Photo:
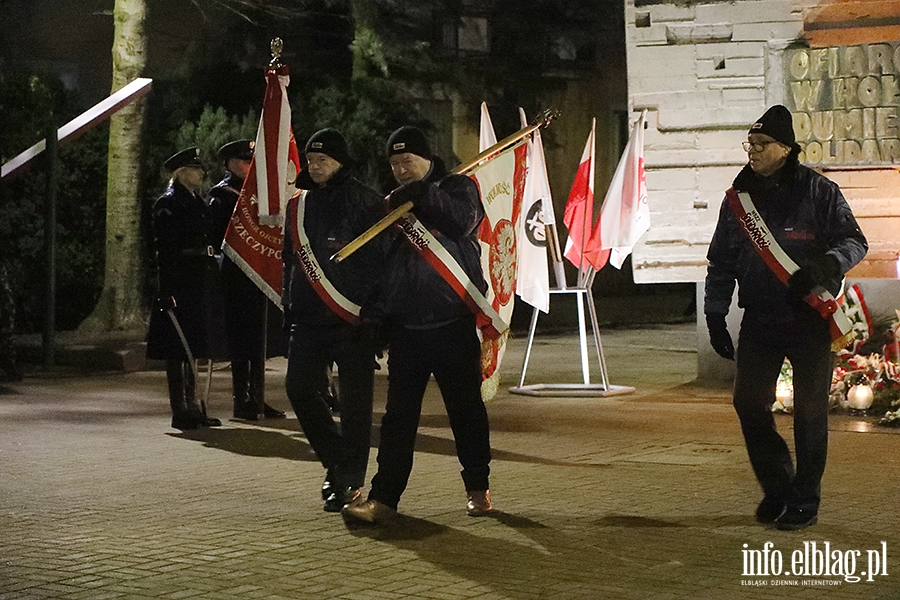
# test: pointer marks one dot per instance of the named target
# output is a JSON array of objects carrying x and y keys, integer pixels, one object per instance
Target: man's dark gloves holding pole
[
  {"x": 819, "y": 271},
  {"x": 719, "y": 338},
  {"x": 413, "y": 191}
]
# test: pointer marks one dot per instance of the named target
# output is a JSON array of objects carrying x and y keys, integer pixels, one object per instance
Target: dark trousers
[
  {"x": 453, "y": 354},
  {"x": 762, "y": 349},
  {"x": 343, "y": 451}
]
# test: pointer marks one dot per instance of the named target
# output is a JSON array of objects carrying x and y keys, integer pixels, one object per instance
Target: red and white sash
[
  {"x": 489, "y": 322},
  {"x": 337, "y": 302},
  {"x": 783, "y": 267}
]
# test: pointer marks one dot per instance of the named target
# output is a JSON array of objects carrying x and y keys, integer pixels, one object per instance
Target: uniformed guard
[
  {"x": 246, "y": 308},
  {"x": 184, "y": 256}
]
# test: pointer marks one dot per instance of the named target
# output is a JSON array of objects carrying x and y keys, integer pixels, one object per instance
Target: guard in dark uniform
[
  {"x": 184, "y": 258},
  {"x": 246, "y": 308}
]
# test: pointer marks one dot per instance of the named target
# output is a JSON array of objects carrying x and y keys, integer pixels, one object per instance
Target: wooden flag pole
[{"x": 544, "y": 119}]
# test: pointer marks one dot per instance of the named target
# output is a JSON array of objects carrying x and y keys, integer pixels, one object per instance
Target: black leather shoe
[
  {"x": 327, "y": 485},
  {"x": 338, "y": 499},
  {"x": 272, "y": 413},
  {"x": 210, "y": 422},
  {"x": 246, "y": 412},
  {"x": 796, "y": 518},
  {"x": 769, "y": 509},
  {"x": 184, "y": 422}
]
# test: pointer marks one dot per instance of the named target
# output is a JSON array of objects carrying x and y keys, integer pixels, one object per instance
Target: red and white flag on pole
[
  {"x": 274, "y": 134},
  {"x": 580, "y": 250},
  {"x": 625, "y": 214},
  {"x": 533, "y": 282},
  {"x": 501, "y": 182},
  {"x": 255, "y": 235}
]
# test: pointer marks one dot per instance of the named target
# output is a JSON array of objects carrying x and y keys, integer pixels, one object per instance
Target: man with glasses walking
[{"x": 786, "y": 235}]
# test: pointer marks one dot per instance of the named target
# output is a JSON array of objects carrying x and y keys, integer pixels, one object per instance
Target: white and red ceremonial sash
[
  {"x": 783, "y": 266},
  {"x": 333, "y": 299},
  {"x": 488, "y": 321}
]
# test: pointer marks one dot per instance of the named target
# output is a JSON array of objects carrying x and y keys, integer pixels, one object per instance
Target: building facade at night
[{"x": 706, "y": 70}]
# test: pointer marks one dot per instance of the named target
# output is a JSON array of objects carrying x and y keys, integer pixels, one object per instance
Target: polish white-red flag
[
  {"x": 501, "y": 182},
  {"x": 625, "y": 214},
  {"x": 533, "y": 282},
  {"x": 255, "y": 234},
  {"x": 580, "y": 250}
]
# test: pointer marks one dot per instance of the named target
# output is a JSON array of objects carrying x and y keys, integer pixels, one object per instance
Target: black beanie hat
[
  {"x": 409, "y": 139},
  {"x": 777, "y": 124},
  {"x": 329, "y": 141}
]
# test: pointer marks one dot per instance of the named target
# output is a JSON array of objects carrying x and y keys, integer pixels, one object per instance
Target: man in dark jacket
[
  {"x": 246, "y": 307},
  {"x": 431, "y": 331},
  {"x": 810, "y": 220},
  {"x": 321, "y": 301},
  {"x": 184, "y": 257}
]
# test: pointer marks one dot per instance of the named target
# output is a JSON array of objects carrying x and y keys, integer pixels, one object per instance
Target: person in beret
[
  {"x": 321, "y": 310},
  {"x": 183, "y": 259},
  {"x": 247, "y": 310},
  {"x": 431, "y": 331},
  {"x": 811, "y": 221}
]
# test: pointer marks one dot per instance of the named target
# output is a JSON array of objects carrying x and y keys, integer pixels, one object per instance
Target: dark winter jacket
[
  {"x": 808, "y": 216},
  {"x": 238, "y": 306},
  {"x": 414, "y": 293},
  {"x": 334, "y": 214},
  {"x": 221, "y": 199},
  {"x": 180, "y": 233}
]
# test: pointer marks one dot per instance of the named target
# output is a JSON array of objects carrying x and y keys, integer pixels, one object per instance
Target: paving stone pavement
[{"x": 647, "y": 496}]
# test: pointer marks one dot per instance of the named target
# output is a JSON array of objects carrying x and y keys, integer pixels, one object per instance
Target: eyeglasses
[{"x": 757, "y": 146}]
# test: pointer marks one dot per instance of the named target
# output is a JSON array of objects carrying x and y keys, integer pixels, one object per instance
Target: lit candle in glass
[
  {"x": 784, "y": 394},
  {"x": 859, "y": 397}
]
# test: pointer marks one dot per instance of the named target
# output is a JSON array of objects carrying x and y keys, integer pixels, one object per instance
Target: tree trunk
[{"x": 120, "y": 304}]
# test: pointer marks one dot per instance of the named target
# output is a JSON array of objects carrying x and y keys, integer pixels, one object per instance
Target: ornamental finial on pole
[{"x": 276, "y": 46}]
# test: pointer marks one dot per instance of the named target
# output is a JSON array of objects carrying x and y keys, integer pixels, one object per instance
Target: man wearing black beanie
[
  {"x": 811, "y": 222},
  {"x": 321, "y": 300},
  {"x": 431, "y": 331}
]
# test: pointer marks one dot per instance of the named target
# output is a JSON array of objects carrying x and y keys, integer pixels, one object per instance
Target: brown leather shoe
[
  {"x": 479, "y": 503},
  {"x": 368, "y": 511}
]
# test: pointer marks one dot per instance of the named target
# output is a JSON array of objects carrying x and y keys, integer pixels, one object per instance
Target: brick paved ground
[{"x": 647, "y": 496}]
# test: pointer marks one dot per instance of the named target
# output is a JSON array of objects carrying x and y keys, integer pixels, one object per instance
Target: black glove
[
  {"x": 815, "y": 272},
  {"x": 164, "y": 303},
  {"x": 413, "y": 191},
  {"x": 719, "y": 338}
]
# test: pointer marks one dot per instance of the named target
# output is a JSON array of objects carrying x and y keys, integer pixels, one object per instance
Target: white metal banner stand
[
  {"x": 585, "y": 388},
  {"x": 582, "y": 294}
]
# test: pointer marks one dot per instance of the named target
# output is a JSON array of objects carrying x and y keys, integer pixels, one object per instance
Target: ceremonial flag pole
[
  {"x": 501, "y": 183},
  {"x": 254, "y": 237},
  {"x": 586, "y": 254},
  {"x": 544, "y": 119},
  {"x": 533, "y": 282},
  {"x": 579, "y": 213},
  {"x": 625, "y": 213}
]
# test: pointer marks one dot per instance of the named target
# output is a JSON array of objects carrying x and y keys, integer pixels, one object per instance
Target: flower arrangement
[{"x": 864, "y": 380}]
